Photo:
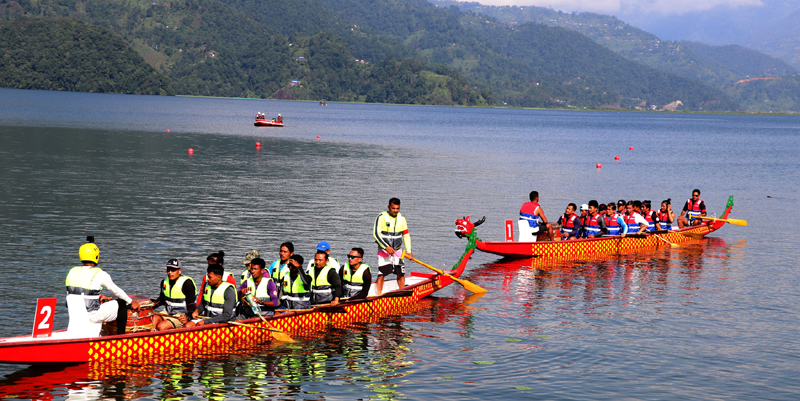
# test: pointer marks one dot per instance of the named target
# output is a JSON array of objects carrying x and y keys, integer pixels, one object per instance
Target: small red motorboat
[{"x": 268, "y": 123}]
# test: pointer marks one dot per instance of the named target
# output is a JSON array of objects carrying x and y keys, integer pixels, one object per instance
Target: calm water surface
[{"x": 715, "y": 319}]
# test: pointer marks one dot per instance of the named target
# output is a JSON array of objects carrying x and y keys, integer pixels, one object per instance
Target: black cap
[{"x": 173, "y": 264}]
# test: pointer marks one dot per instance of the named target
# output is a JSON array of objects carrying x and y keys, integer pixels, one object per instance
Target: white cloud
[{"x": 657, "y": 7}]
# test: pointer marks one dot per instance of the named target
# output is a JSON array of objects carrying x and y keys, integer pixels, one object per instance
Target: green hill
[{"x": 65, "y": 54}]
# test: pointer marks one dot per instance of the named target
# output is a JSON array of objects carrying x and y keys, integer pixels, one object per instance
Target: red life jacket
[
  {"x": 568, "y": 224},
  {"x": 612, "y": 224},
  {"x": 651, "y": 224},
  {"x": 592, "y": 227},
  {"x": 528, "y": 212},
  {"x": 666, "y": 224},
  {"x": 631, "y": 222},
  {"x": 694, "y": 209}
]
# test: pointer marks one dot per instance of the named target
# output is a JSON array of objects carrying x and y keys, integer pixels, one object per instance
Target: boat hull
[{"x": 267, "y": 123}]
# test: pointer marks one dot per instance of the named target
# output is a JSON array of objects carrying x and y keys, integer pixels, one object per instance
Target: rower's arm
[
  {"x": 106, "y": 281},
  {"x": 623, "y": 226},
  {"x": 336, "y": 283}
]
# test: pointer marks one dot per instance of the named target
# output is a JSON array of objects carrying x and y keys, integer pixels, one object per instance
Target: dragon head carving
[{"x": 464, "y": 227}]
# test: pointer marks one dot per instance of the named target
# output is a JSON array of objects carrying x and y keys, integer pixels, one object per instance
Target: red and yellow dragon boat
[
  {"x": 604, "y": 245},
  {"x": 59, "y": 350}
]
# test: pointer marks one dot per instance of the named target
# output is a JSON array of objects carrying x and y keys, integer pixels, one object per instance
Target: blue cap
[{"x": 323, "y": 246}]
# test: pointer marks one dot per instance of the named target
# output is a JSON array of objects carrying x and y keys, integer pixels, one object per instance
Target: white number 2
[{"x": 47, "y": 311}]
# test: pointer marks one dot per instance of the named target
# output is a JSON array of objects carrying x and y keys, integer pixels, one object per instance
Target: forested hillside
[
  {"x": 65, "y": 54},
  {"x": 399, "y": 51}
]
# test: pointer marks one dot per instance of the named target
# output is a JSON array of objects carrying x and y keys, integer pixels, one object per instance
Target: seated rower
[
  {"x": 665, "y": 215},
  {"x": 570, "y": 223},
  {"x": 246, "y": 262},
  {"x": 84, "y": 284},
  {"x": 584, "y": 211},
  {"x": 295, "y": 285},
  {"x": 532, "y": 222},
  {"x": 326, "y": 247},
  {"x": 261, "y": 289},
  {"x": 280, "y": 118},
  {"x": 356, "y": 276},
  {"x": 650, "y": 216},
  {"x": 693, "y": 208},
  {"x": 219, "y": 299},
  {"x": 595, "y": 222},
  {"x": 275, "y": 269},
  {"x": 178, "y": 296},
  {"x": 615, "y": 223},
  {"x": 219, "y": 259},
  {"x": 633, "y": 219},
  {"x": 326, "y": 287}
]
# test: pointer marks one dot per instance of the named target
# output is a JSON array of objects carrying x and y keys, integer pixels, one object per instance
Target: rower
[
  {"x": 326, "y": 287},
  {"x": 665, "y": 215},
  {"x": 246, "y": 262},
  {"x": 178, "y": 295},
  {"x": 356, "y": 276},
  {"x": 650, "y": 216},
  {"x": 84, "y": 284},
  {"x": 633, "y": 218},
  {"x": 219, "y": 298},
  {"x": 276, "y": 268},
  {"x": 614, "y": 221},
  {"x": 692, "y": 209},
  {"x": 263, "y": 290},
  {"x": 532, "y": 219},
  {"x": 280, "y": 118},
  {"x": 219, "y": 259},
  {"x": 584, "y": 220},
  {"x": 570, "y": 223},
  {"x": 325, "y": 247},
  {"x": 296, "y": 285},
  {"x": 595, "y": 222}
]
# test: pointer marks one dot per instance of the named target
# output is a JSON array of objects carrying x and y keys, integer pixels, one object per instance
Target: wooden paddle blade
[
  {"x": 277, "y": 334},
  {"x": 736, "y": 222},
  {"x": 474, "y": 288}
]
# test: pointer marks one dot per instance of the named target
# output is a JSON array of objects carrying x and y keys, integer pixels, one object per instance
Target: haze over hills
[
  {"x": 729, "y": 67},
  {"x": 235, "y": 48}
]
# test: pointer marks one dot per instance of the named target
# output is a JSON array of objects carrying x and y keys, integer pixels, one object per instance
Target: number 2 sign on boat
[{"x": 43, "y": 321}]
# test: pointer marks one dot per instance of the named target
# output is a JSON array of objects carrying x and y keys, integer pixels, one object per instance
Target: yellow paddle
[
  {"x": 737, "y": 222},
  {"x": 279, "y": 334},
  {"x": 469, "y": 286},
  {"x": 672, "y": 245}
]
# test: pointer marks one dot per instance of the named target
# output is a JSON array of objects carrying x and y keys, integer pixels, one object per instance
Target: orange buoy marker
[
  {"x": 616, "y": 157},
  {"x": 598, "y": 165},
  {"x": 191, "y": 151},
  {"x": 631, "y": 148},
  {"x": 168, "y": 131},
  {"x": 317, "y": 136},
  {"x": 258, "y": 144}
]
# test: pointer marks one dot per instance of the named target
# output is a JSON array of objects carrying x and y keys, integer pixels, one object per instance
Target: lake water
[{"x": 715, "y": 319}]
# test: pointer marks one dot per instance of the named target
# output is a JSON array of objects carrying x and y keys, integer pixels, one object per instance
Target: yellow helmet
[{"x": 89, "y": 252}]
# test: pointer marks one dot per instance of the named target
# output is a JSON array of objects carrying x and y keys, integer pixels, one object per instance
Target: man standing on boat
[
  {"x": 178, "y": 294},
  {"x": 326, "y": 287},
  {"x": 356, "y": 276},
  {"x": 84, "y": 284},
  {"x": 219, "y": 298},
  {"x": 295, "y": 285},
  {"x": 391, "y": 232},
  {"x": 532, "y": 220},
  {"x": 693, "y": 208}
]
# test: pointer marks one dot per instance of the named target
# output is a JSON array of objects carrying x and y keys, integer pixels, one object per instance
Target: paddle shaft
[
  {"x": 469, "y": 286},
  {"x": 737, "y": 222}
]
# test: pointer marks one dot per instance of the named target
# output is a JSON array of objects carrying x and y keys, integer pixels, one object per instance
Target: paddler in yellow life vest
[
  {"x": 219, "y": 298},
  {"x": 296, "y": 285},
  {"x": 84, "y": 284},
  {"x": 356, "y": 276},
  {"x": 259, "y": 288},
  {"x": 246, "y": 262},
  {"x": 326, "y": 287},
  {"x": 391, "y": 232},
  {"x": 178, "y": 293},
  {"x": 326, "y": 247},
  {"x": 219, "y": 259}
]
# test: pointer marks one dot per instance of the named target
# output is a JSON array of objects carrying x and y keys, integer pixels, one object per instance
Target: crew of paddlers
[
  {"x": 260, "y": 117},
  {"x": 595, "y": 220},
  {"x": 283, "y": 285}
]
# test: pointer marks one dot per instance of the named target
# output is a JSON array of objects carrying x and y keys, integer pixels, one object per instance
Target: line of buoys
[{"x": 191, "y": 151}]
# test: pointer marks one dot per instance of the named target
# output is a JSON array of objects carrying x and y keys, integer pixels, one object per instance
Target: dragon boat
[
  {"x": 267, "y": 123},
  {"x": 612, "y": 245},
  {"x": 60, "y": 349}
]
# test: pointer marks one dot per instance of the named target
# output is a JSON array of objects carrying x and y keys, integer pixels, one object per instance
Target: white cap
[{"x": 584, "y": 207}]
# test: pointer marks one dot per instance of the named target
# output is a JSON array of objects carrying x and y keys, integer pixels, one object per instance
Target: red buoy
[
  {"x": 631, "y": 148},
  {"x": 191, "y": 151},
  {"x": 616, "y": 157},
  {"x": 598, "y": 165},
  {"x": 258, "y": 144},
  {"x": 168, "y": 130},
  {"x": 317, "y": 136}
]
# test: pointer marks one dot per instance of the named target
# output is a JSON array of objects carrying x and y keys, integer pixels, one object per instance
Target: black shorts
[{"x": 386, "y": 270}]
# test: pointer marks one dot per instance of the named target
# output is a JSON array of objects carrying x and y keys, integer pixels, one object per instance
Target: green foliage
[
  {"x": 66, "y": 54},
  {"x": 769, "y": 95}
]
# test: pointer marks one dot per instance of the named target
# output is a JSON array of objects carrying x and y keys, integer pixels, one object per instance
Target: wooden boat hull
[
  {"x": 25, "y": 350},
  {"x": 600, "y": 246},
  {"x": 267, "y": 123}
]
